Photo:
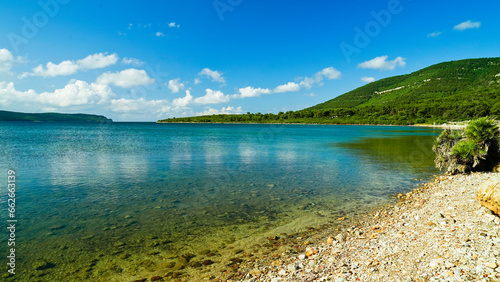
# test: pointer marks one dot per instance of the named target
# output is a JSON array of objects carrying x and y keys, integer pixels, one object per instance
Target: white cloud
[
  {"x": 141, "y": 106},
  {"x": 160, "y": 34},
  {"x": 7, "y": 60},
  {"x": 434, "y": 34},
  {"x": 310, "y": 95},
  {"x": 173, "y": 24},
  {"x": 212, "y": 97},
  {"x": 329, "y": 73},
  {"x": 381, "y": 63},
  {"x": 197, "y": 81},
  {"x": 175, "y": 85},
  {"x": 214, "y": 75},
  {"x": 225, "y": 111},
  {"x": 126, "y": 78},
  {"x": 80, "y": 96},
  {"x": 184, "y": 101},
  {"x": 368, "y": 79},
  {"x": 96, "y": 61},
  {"x": 132, "y": 61},
  {"x": 52, "y": 70},
  {"x": 467, "y": 25},
  {"x": 289, "y": 87},
  {"x": 76, "y": 93},
  {"x": 249, "y": 91}
]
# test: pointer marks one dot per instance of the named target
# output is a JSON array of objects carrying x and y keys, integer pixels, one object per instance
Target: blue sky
[{"x": 142, "y": 61}]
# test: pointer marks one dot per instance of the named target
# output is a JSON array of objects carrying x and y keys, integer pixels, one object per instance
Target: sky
[{"x": 149, "y": 60}]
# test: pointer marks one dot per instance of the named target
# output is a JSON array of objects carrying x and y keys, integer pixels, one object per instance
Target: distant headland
[{"x": 51, "y": 117}]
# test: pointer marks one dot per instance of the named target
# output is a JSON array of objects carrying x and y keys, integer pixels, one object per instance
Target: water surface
[{"x": 103, "y": 201}]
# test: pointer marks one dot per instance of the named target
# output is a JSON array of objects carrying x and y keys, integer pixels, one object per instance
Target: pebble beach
[{"x": 437, "y": 232}]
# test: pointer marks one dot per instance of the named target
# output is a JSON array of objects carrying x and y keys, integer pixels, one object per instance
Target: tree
[{"x": 475, "y": 149}]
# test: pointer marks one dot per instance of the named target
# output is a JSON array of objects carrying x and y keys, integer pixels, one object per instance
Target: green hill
[
  {"x": 450, "y": 91},
  {"x": 15, "y": 116},
  {"x": 473, "y": 79}
]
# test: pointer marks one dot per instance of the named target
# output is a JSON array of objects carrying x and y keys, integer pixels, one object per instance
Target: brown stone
[
  {"x": 236, "y": 260},
  {"x": 156, "y": 278},
  {"x": 207, "y": 262},
  {"x": 489, "y": 196},
  {"x": 329, "y": 241},
  {"x": 311, "y": 252}
]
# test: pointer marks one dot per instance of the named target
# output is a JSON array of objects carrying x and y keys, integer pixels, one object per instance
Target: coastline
[
  {"x": 437, "y": 232},
  {"x": 442, "y": 126}
]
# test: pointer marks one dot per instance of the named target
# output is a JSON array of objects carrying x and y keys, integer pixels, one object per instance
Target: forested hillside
[{"x": 450, "y": 91}]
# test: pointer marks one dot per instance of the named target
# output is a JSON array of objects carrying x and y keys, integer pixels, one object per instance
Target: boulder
[{"x": 489, "y": 196}]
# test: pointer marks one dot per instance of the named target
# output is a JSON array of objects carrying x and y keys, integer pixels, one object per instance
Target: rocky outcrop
[{"x": 489, "y": 195}]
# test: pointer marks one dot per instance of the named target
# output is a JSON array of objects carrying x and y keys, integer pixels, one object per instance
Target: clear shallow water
[{"x": 107, "y": 200}]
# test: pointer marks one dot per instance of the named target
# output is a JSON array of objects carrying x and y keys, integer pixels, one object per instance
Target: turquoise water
[{"x": 101, "y": 201}]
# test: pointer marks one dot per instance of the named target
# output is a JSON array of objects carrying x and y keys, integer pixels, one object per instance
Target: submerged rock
[
  {"x": 207, "y": 262},
  {"x": 42, "y": 265},
  {"x": 489, "y": 196}
]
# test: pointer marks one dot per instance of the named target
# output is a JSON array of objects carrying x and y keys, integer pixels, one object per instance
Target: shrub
[{"x": 474, "y": 149}]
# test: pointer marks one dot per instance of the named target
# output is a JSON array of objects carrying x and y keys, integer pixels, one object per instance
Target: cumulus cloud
[
  {"x": 160, "y": 34},
  {"x": 249, "y": 91},
  {"x": 214, "y": 75},
  {"x": 224, "y": 110},
  {"x": 132, "y": 61},
  {"x": 7, "y": 60},
  {"x": 289, "y": 87},
  {"x": 96, "y": 61},
  {"x": 76, "y": 93},
  {"x": 184, "y": 101},
  {"x": 173, "y": 24},
  {"x": 367, "y": 79},
  {"x": 434, "y": 34},
  {"x": 212, "y": 97},
  {"x": 78, "y": 96},
  {"x": 467, "y": 25},
  {"x": 175, "y": 85},
  {"x": 197, "y": 81},
  {"x": 381, "y": 63},
  {"x": 52, "y": 70},
  {"x": 140, "y": 106},
  {"x": 328, "y": 73},
  {"x": 126, "y": 78}
]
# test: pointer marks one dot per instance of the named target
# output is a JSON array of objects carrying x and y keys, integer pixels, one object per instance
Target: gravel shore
[{"x": 437, "y": 232}]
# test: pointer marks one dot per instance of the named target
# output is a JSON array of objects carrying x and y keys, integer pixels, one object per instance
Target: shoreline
[
  {"x": 442, "y": 126},
  {"x": 436, "y": 232}
]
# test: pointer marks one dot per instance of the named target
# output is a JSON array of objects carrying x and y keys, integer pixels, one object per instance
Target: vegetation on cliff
[{"x": 475, "y": 149}]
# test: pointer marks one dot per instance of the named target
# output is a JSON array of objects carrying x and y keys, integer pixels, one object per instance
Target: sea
[{"x": 114, "y": 201}]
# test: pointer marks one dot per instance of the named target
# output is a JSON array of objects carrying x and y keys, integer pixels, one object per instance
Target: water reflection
[{"x": 127, "y": 183}]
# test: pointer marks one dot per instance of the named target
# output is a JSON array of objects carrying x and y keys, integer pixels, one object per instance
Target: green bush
[{"x": 474, "y": 149}]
